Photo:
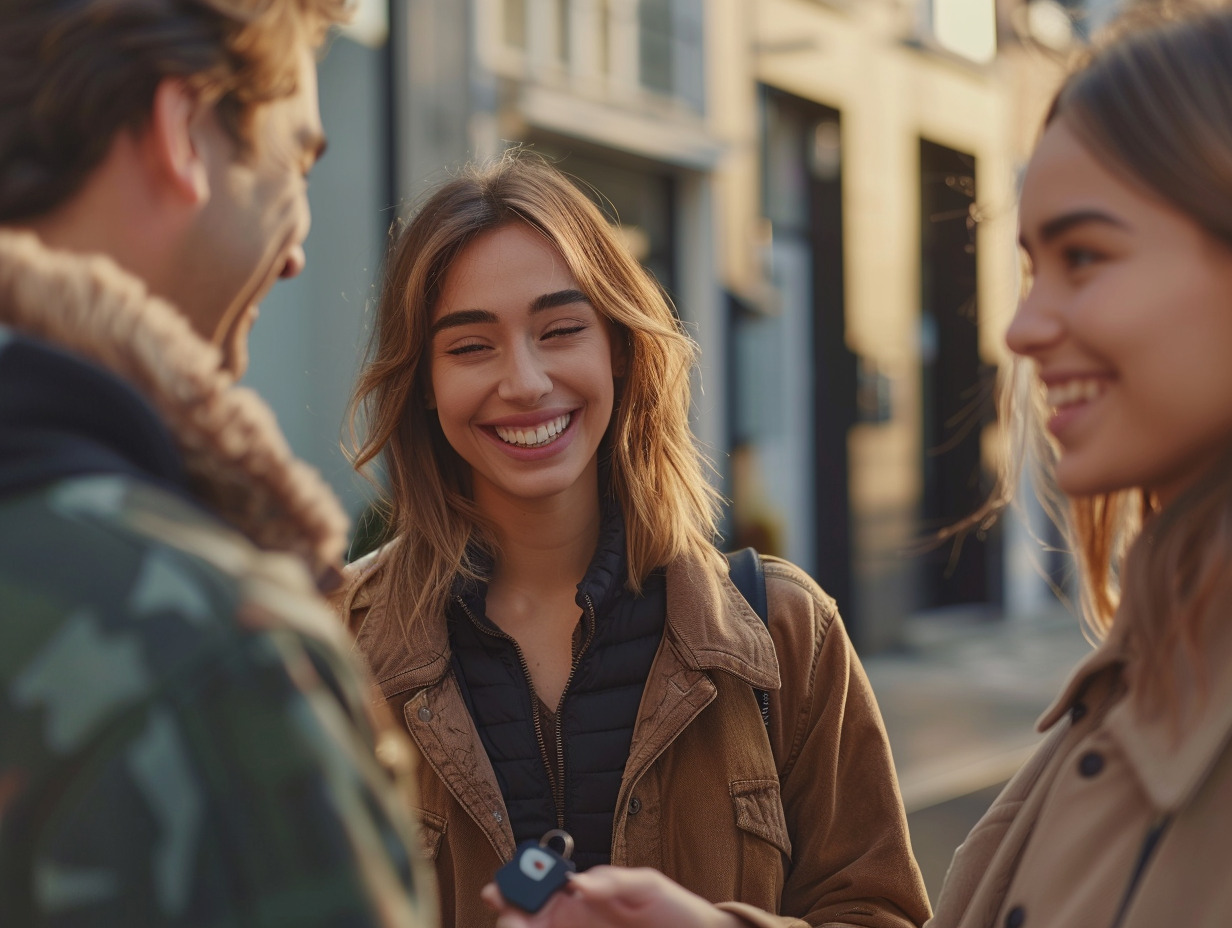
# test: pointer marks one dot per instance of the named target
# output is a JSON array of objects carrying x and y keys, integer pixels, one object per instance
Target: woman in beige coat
[{"x": 1124, "y": 817}]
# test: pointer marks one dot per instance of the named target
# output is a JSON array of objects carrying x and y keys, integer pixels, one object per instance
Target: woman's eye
[
  {"x": 564, "y": 330},
  {"x": 472, "y": 348},
  {"x": 1076, "y": 258}
]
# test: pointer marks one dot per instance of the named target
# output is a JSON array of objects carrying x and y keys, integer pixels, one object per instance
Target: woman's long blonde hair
[
  {"x": 1155, "y": 105},
  {"x": 656, "y": 470}
]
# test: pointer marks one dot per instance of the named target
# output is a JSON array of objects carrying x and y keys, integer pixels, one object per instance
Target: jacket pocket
[
  {"x": 431, "y": 831},
  {"x": 759, "y": 811},
  {"x": 764, "y": 854}
]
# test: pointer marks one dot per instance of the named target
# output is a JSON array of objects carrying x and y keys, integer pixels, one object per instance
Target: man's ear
[{"x": 173, "y": 142}]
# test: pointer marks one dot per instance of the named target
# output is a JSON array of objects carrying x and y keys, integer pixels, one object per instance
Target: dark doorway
[
  {"x": 803, "y": 195},
  {"x": 957, "y": 389}
]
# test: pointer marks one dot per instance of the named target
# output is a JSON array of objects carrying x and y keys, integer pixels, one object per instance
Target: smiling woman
[
  {"x": 1128, "y": 322},
  {"x": 552, "y": 620},
  {"x": 522, "y": 388},
  {"x": 1125, "y": 336}
]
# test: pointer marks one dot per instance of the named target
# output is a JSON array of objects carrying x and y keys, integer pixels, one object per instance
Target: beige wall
[{"x": 891, "y": 93}]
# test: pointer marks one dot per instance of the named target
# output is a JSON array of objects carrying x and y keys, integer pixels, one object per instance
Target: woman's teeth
[
  {"x": 533, "y": 438},
  {"x": 1074, "y": 391}
]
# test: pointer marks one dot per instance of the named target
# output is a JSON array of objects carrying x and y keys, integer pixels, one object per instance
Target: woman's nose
[
  {"x": 1036, "y": 324},
  {"x": 526, "y": 379}
]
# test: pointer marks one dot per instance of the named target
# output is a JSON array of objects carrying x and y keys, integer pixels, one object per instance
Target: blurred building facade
[{"x": 826, "y": 189}]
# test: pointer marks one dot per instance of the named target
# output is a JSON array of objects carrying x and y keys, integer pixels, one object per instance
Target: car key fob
[{"x": 536, "y": 871}]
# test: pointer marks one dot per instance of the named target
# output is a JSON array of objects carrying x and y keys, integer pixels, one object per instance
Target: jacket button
[
  {"x": 635, "y": 806},
  {"x": 1091, "y": 764},
  {"x": 425, "y": 714},
  {"x": 1016, "y": 917}
]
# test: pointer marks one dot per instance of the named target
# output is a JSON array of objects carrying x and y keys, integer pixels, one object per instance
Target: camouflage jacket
[{"x": 183, "y": 739}]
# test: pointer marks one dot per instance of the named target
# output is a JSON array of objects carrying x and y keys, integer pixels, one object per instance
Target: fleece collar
[{"x": 236, "y": 462}]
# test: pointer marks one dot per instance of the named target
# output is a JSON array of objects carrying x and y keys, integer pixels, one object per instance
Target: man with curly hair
[{"x": 183, "y": 739}]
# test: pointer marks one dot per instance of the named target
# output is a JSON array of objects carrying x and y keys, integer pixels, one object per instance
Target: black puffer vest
[{"x": 618, "y": 640}]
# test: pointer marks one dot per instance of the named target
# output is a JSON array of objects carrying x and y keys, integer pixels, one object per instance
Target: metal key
[{"x": 536, "y": 871}]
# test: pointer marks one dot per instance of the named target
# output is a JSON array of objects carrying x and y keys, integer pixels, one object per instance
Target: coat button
[
  {"x": 635, "y": 806},
  {"x": 1091, "y": 764},
  {"x": 425, "y": 714},
  {"x": 1016, "y": 917}
]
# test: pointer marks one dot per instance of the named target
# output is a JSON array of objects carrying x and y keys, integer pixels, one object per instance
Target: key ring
[{"x": 565, "y": 838}]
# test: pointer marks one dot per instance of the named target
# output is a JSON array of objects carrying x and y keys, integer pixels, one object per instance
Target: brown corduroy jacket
[{"x": 811, "y": 834}]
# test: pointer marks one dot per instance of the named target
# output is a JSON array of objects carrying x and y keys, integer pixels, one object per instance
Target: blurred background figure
[{"x": 183, "y": 739}]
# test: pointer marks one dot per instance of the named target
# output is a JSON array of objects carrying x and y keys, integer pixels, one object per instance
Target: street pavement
[{"x": 960, "y": 700}]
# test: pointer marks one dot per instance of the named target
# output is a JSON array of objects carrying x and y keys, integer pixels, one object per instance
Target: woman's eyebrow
[
  {"x": 486, "y": 317},
  {"x": 558, "y": 298},
  {"x": 462, "y": 317},
  {"x": 1059, "y": 225}
]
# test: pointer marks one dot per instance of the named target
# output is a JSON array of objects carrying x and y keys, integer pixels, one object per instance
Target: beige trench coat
[{"x": 1118, "y": 821}]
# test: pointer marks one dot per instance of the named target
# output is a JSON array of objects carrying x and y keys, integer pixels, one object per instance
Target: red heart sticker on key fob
[{"x": 536, "y": 872}]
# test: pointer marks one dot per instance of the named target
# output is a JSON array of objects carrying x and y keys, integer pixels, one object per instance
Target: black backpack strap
[{"x": 744, "y": 567}]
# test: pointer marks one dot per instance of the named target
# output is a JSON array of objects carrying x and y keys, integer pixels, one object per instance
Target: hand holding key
[{"x": 614, "y": 897}]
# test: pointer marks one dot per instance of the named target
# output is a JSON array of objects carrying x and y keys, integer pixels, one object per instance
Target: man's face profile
[{"x": 251, "y": 230}]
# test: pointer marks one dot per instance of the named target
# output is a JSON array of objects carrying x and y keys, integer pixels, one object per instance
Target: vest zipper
[
  {"x": 1149, "y": 844},
  {"x": 560, "y": 741},
  {"x": 556, "y": 776},
  {"x": 534, "y": 700}
]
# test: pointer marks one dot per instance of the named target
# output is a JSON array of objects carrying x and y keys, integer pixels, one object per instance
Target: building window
[
  {"x": 655, "y": 44},
  {"x": 604, "y": 63},
  {"x": 514, "y": 15},
  {"x": 561, "y": 13},
  {"x": 670, "y": 45},
  {"x": 966, "y": 27}
]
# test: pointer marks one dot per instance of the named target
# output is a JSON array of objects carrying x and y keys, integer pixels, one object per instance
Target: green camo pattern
[{"x": 182, "y": 740}]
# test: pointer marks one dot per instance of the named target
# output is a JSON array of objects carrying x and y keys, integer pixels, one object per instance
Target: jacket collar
[
  {"x": 709, "y": 623},
  {"x": 236, "y": 461},
  {"x": 402, "y": 656},
  {"x": 714, "y": 627},
  {"x": 1171, "y": 757}
]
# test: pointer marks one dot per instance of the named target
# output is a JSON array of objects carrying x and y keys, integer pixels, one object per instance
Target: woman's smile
[
  {"x": 534, "y": 436},
  {"x": 1070, "y": 399},
  {"x": 536, "y": 441}
]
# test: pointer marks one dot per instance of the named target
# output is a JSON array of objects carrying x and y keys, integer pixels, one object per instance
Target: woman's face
[
  {"x": 522, "y": 370},
  {"x": 1129, "y": 323}
]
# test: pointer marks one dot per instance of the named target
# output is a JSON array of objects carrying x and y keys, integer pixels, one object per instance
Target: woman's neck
[{"x": 545, "y": 545}]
